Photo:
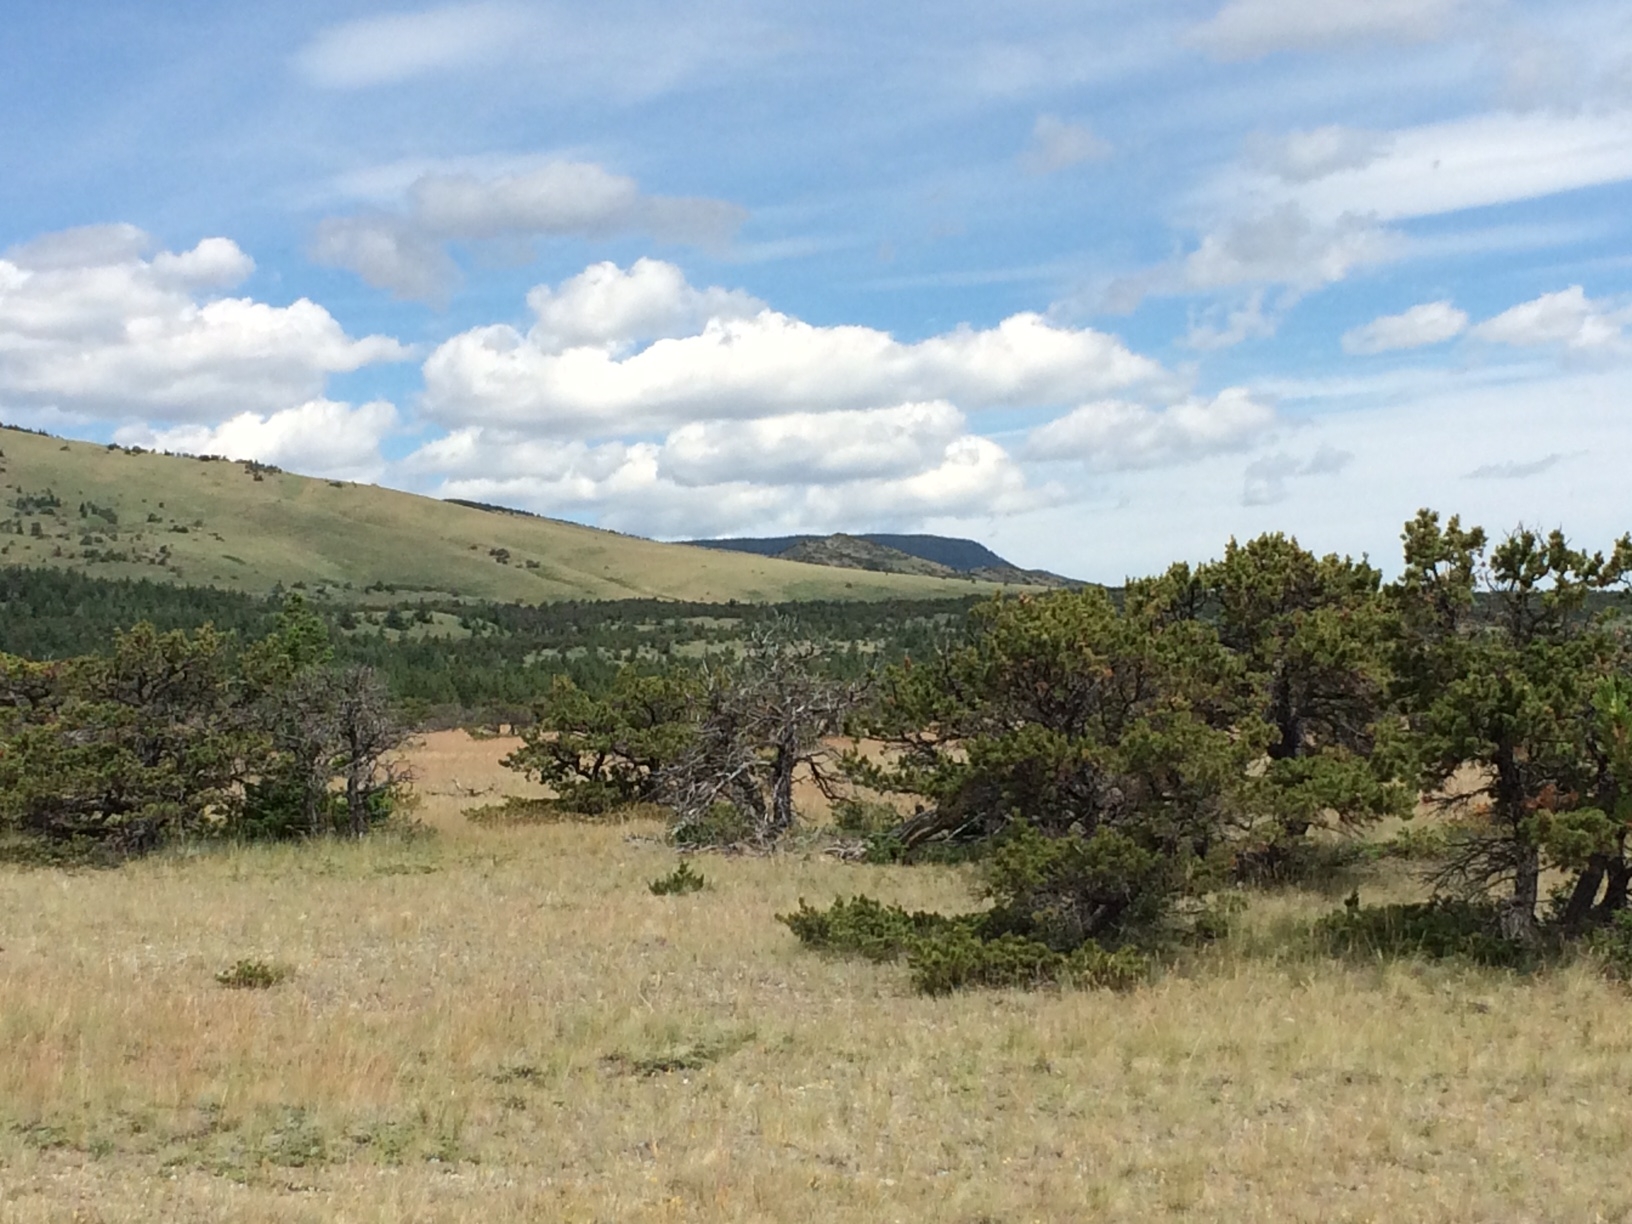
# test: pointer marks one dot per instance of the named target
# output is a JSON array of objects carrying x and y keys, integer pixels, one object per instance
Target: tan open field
[{"x": 478, "y": 1024}]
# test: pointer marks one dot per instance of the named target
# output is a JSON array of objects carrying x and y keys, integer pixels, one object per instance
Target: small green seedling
[{"x": 681, "y": 880}]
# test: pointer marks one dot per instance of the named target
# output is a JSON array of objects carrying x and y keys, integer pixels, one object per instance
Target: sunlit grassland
[
  {"x": 503, "y": 1023},
  {"x": 218, "y": 525}
]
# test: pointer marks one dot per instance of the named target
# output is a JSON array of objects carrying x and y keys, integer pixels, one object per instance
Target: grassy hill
[
  {"x": 931, "y": 555},
  {"x": 852, "y": 552},
  {"x": 114, "y": 513}
]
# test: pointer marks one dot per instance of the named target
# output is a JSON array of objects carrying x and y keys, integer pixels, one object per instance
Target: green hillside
[
  {"x": 931, "y": 555},
  {"x": 109, "y": 512},
  {"x": 852, "y": 552}
]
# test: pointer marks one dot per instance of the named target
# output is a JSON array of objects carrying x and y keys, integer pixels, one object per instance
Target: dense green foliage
[
  {"x": 450, "y": 661},
  {"x": 1312, "y": 635},
  {"x": 1129, "y": 757},
  {"x": 1439, "y": 929},
  {"x": 601, "y": 753},
  {"x": 1104, "y": 744},
  {"x": 1530, "y": 689},
  {"x": 126, "y": 747},
  {"x": 174, "y": 734}
]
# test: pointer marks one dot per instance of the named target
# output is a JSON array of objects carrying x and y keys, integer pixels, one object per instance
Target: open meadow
[{"x": 504, "y": 1024}]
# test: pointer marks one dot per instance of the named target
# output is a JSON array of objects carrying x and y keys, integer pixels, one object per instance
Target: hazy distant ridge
[
  {"x": 961, "y": 555},
  {"x": 891, "y": 553}
]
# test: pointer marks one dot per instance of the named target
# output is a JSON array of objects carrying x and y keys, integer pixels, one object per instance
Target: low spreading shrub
[
  {"x": 1611, "y": 946},
  {"x": 960, "y": 958},
  {"x": 514, "y": 810},
  {"x": 864, "y": 817},
  {"x": 946, "y": 953},
  {"x": 253, "y": 975},
  {"x": 867, "y": 928},
  {"x": 1440, "y": 929},
  {"x": 680, "y": 1053},
  {"x": 723, "y": 824}
]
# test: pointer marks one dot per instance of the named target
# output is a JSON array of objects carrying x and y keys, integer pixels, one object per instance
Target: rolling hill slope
[
  {"x": 114, "y": 513},
  {"x": 939, "y": 556}
]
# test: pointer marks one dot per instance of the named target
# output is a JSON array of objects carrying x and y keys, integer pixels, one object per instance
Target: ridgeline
[{"x": 115, "y": 512}]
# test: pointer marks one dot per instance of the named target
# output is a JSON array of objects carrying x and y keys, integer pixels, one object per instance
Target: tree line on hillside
[
  {"x": 1118, "y": 761},
  {"x": 451, "y": 662}
]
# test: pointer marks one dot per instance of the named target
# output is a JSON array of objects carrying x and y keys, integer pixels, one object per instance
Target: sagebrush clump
[{"x": 252, "y": 974}]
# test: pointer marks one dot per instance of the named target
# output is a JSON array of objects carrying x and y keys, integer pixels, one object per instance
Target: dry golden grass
[
  {"x": 221, "y": 527},
  {"x": 477, "y": 1020}
]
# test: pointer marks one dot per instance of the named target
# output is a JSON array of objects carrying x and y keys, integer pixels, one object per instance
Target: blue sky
[{"x": 1100, "y": 285}]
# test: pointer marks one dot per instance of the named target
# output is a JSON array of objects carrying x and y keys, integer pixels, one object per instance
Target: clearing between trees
[{"x": 504, "y": 1022}]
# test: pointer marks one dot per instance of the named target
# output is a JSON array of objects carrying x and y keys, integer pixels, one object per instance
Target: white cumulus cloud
[
  {"x": 705, "y": 480},
  {"x": 1119, "y": 435},
  {"x": 319, "y": 438},
  {"x": 650, "y": 404},
  {"x": 89, "y": 324},
  {"x": 736, "y": 366},
  {"x": 818, "y": 448},
  {"x": 1429, "y": 323},
  {"x": 1568, "y": 318},
  {"x": 608, "y": 305}
]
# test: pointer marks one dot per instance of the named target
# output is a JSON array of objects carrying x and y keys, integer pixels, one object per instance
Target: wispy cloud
[
  {"x": 1429, "y": 323},
  {"x": 1515, "y": 469},
  {"x": 407, "y": 254},
  {"x": 1267, "y": 478},
  {"x": 1249, "y": 29},
  {"x": 1058, "y": 144},
  {"x": 396, "y": 47}
]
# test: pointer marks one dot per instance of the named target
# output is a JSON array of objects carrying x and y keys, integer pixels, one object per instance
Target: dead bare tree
[
  {"x": 762, "y": 717},
  {"x": 327, "y": 725},
  {"x": 366, "y": 735}
]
